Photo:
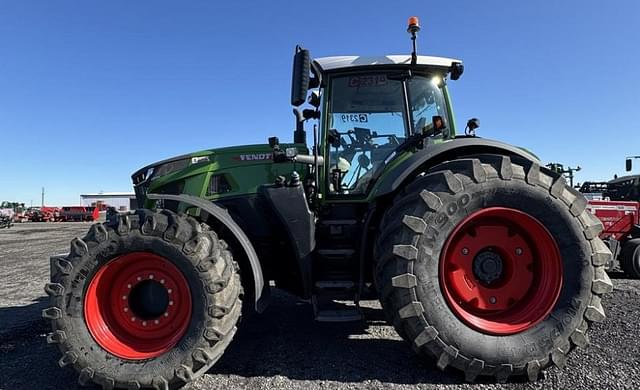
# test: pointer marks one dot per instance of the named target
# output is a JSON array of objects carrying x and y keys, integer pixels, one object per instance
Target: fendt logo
[{"x": 253, "y": 157}]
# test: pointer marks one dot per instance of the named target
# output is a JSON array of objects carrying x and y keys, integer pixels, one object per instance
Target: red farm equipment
[
  {"x": 79, "y": 213},
  {"x": 617, "y": 204},
  {"x": 621, "y": 220},
  {"x": 43, "y": 214}
]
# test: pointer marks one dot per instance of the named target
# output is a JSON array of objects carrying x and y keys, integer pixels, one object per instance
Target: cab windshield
[{"x": 368, "y": 120}]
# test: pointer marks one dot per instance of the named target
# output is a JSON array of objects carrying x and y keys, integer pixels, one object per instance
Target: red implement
[{"x": 618, "y": 217}]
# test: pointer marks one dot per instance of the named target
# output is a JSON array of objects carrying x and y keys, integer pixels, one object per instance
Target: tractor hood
[
  {"x": 235, "y": 155},
  {"x": 214, "y": 173}
]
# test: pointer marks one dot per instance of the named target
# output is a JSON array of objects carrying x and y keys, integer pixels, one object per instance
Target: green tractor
[{"x": 482, "y": 258}]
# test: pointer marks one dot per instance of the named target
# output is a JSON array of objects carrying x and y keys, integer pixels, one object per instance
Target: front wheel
[
  {"x": 145, "y": 300},
  {"x": 492, "y": 265}
]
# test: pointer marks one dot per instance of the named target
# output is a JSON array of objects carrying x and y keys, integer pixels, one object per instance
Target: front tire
[
  {"x": 145, "y": 300},
  {"x": 492, "y": 265}
]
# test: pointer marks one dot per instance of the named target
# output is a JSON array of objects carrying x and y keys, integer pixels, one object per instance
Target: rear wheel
[
  {"x": 492, "y": 265},
  {"x": 630, "y": 258},
  {"x": 148, "y": 299}
]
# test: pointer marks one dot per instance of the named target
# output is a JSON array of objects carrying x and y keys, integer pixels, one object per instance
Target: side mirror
[
  {"x": 628, "y": 165},
  {"x": 457, "y": 69},
  {"x": 300, "y": 76},
  {"x": 472, "y": 125}
]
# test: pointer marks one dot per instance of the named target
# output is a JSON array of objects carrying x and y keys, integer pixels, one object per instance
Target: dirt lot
[{"x": 284, "y": 348}]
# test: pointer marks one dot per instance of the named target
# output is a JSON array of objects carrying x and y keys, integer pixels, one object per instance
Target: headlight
[
  {"x": 291, "y": 152},
  {"x": 149, "y": 173}
]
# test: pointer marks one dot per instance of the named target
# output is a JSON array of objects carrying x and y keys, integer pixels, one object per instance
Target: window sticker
[
  {"x": 367, "y": 81},
  {"x": 354, "y": 118}
]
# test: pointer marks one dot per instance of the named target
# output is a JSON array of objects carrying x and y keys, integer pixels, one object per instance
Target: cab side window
[{"x": 367, "y": 123}]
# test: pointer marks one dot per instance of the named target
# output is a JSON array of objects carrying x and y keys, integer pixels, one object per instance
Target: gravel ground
[{"x": 284, "y": 348}]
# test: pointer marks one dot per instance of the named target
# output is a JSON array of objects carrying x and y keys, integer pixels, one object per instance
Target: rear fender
[
  {"x": 434, "y": 154},
  {"x": 222, "y": 216}
]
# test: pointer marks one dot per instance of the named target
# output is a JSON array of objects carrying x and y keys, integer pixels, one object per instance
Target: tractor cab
[
  {"x": 374, "y": 109},
  {"x": 370, "y": 112}
]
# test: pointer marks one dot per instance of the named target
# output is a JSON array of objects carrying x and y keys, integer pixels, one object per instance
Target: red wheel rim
[
  {"x": 138, "y": 306},
  {"x": 501, "y": 271}
]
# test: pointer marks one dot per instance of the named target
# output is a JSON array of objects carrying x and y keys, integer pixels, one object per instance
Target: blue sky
[{"x": 90, "y": 91}]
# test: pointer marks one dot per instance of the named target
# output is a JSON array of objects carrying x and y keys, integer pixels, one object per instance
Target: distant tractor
[
  {"x": 6, "y": 218},
  {"x": 482, "y": 258},
  {"x": 12, "y": 211}
]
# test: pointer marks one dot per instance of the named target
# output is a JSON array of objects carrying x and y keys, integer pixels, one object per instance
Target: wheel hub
[
  {"x": 148, "y": 300},
  {"x": 138, "y": 306},
  {"x": 501, "y": 271},
  {"x": 487, "y": 266}
]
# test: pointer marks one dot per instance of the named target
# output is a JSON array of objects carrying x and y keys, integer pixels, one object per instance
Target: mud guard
[
  {"x": 437, "y": 153},
  {"x": 222, "y": 215}
]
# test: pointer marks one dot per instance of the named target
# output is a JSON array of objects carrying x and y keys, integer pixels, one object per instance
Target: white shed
[{"x": 122, "y": 201}]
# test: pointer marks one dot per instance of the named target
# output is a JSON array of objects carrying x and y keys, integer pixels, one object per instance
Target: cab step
[
  {"x": 339, "y": 315},
  {"x": 329, "y": 301}
]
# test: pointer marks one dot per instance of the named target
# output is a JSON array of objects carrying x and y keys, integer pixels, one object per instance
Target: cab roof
[{"x": 326, "y": 64}]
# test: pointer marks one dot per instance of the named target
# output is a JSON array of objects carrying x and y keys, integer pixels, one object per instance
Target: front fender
[
  {"x": 223, "y": 217},
  {"x": 437, "y": 153}
]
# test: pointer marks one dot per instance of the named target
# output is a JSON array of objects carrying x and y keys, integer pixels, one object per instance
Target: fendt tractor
[{"x": 482, "y": 258}]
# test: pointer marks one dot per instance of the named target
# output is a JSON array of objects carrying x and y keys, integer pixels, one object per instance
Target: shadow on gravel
[
  {"x": 26, "y": 361},
  {"x": 15, "y": 317},
  {"x": 286, "y": 341},
  {"x": 619, "y": 275}
]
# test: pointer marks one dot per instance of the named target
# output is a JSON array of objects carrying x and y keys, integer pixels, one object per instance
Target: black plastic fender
[
  {"x": 223, "y": 216},
  {"x": 436, "y": 153}
]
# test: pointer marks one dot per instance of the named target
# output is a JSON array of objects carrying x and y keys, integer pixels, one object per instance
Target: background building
[{"x": 122, "y": 201}]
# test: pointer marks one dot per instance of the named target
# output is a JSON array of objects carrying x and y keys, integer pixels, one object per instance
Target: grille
[{"x": 218, "y": 185}]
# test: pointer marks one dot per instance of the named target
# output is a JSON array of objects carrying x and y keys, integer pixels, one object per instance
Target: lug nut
[
  {"x": 465, "y": 251},
  {"x": 519, "y": 251},
  {"x": 492, "y": 300}
]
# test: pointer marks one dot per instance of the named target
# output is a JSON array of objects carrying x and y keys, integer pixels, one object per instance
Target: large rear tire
[
  {"x": 492, "y": 265},
  {"x": 630, "y": 258},
  {"x": 145, "y": 300}
]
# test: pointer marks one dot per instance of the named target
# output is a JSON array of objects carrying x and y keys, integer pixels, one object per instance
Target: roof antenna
[{"x": 414, "y": 27}]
